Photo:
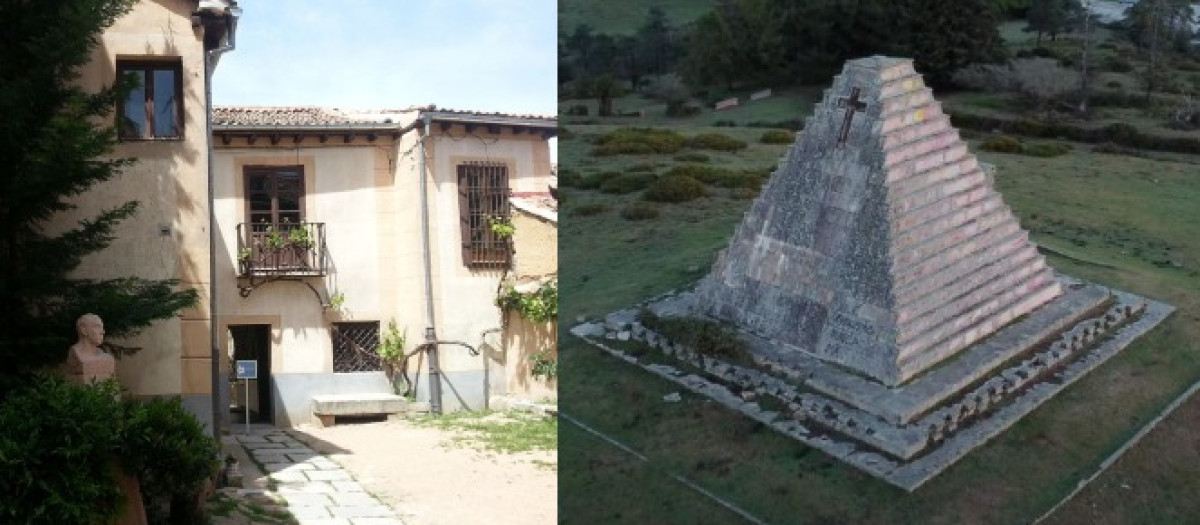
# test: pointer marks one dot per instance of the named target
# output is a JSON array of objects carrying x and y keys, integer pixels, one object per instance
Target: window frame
[
  {"x": 343, "y": 353},
  {"x": 481, "y": 247},
  {"x": 148, "y": 68},
  {"x": 250, "y": 171}
]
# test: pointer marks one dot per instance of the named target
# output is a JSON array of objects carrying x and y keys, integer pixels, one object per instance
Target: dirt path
[{"x": 429, "y": 480}]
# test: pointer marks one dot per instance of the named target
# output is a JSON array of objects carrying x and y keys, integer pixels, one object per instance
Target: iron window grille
[
  {"x": 483, "y": 204},
  {"x": 354, "y": 347}
]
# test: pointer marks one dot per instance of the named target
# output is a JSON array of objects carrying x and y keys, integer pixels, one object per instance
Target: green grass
[
  {"x": 1124, "y": 212},
  {"x": 505, "y": 432}
]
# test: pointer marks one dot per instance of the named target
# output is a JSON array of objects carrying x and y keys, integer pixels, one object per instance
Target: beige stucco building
[
  {"x": 333, "y": 224},
  {"x": 326, "y": 226},
  {"x": 163, "y": 124}
]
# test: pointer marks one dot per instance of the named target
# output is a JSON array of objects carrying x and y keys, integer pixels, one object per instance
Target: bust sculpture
[{"x": 87, "y": 362}]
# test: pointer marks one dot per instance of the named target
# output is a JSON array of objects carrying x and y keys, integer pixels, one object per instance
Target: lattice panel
[{"x": 354, "y": 346}]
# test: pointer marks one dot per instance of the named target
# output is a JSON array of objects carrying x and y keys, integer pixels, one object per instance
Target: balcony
[{"x": 282, "y": 250}]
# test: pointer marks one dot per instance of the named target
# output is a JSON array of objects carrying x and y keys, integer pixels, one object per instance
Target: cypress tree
[{"x": 56, "y": 142}]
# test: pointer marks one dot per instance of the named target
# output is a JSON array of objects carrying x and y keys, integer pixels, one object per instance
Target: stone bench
[{"x": 327, "y": 407}]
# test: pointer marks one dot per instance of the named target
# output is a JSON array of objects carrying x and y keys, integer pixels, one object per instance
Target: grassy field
[{"x": 1119, "y": 220}]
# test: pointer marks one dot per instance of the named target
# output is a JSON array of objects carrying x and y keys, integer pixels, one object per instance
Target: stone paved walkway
[{"x": 318, "y": 491}]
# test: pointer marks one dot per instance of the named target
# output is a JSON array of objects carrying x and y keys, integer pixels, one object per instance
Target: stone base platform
[{"x": 909, "y": 433}]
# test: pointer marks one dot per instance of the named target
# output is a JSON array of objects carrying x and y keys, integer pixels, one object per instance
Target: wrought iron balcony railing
[{"x": 282, "y": 249}]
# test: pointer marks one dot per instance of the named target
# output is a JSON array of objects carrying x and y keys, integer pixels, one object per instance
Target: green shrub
[
  {"x": 56, "y": 452},
  {"x": 692, "y": 157},
  {"x": 595, "y": 180},
  {"x": 569, "y": 178},
  {"x": 675, "y": 188},
  {"x": 639, "y": 141},
  {"x": 628, "y": 183},
  {"x": 777, "y": 136},
  {"x": 61, "y": 466},
  {"x": 717, "y": 142},
  {"x": 640, "y": 168},
  {"x": 725, "y": 124},
  {"x": 639, "y": 211},
  {"x": 1001, "y": 144},
  {"x": 172, "y": 456},
  {"x": 1045, "y": 150},
  {"x": 587, "y": 210}
]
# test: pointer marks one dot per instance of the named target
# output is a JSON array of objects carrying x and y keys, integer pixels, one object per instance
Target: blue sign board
[{"x": 247, "y": 369}]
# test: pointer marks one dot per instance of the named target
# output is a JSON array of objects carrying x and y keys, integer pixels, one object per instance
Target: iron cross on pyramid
[{"x": 852, "y": 104}]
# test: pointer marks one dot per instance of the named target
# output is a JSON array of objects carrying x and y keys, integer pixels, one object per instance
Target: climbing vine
[
  {"x": 543, "y": 365},
  {"x": 538, "y": 306}
]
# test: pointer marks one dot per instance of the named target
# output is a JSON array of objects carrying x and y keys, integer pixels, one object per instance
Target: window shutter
[{"x": 464, "y": 214}]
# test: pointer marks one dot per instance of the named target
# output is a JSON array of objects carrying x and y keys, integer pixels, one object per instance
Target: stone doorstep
[{"x": 912, "y": 473}]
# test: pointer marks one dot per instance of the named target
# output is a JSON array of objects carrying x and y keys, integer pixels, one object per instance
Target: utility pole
[{"x": 1084, "y": 84}]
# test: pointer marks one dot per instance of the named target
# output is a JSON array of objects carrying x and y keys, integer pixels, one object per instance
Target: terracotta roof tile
[{"x": 251, "y": 116}]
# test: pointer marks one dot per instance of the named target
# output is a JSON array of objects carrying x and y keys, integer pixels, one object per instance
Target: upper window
[
  {"x": 153, "y": 109},
  {"x": 274, "y": 195},
  {"x": 483, "y": 206}
]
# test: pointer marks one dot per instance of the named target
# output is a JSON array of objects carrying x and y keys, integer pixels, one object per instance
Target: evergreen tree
[
  {"x": 943, "y": 36},
  {"x": 1053, "y": 17},
  {"x": 56, "y": 141}
]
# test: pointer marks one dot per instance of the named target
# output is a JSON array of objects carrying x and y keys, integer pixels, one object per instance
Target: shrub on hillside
[
  {"x": 587, "y": 210},
  {"x": 628, "y": 183},
  {"x": 1001, "y": 144},
  {"x": 675, "y": 188},
  {"x": 692, "y": 157},
  {"x": 595, "y": 180},
  {"x": 717, "y": 142},
  {"x": 1045, "y": 149},
  {"x": 777, "y": 136},
  {"x": 639, "y": 141},
  {"x": 639, "y": 211},
  {"x": 636, "y": 168},
  {"x": 569, "y": 178}
]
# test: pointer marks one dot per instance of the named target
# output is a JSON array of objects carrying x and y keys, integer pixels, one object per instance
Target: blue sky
[{"x": 479, "y": 55}]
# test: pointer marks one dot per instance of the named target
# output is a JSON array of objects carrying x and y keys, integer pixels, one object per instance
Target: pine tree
[
  {"x": 57, "y": 141},
  {"x": 944, "y": 36}
]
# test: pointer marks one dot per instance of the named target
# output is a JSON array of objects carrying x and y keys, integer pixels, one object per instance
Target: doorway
[{"x": 252, "y": 342}]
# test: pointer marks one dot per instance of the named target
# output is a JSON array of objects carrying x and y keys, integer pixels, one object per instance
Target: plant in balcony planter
[{"x": 300, "y": 238}]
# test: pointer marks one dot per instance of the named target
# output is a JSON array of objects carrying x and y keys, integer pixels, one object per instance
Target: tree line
[{"x": 746, "y": 44}]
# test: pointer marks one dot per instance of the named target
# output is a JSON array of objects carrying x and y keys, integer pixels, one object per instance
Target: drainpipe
[
  {"x": 435, "y": 379},
  {"x": 210, "y": 55},
  {"x": 487, "y": 383}
]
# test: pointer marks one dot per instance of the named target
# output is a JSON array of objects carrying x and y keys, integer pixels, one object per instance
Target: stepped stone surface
[{"x": 879, "y": 244}]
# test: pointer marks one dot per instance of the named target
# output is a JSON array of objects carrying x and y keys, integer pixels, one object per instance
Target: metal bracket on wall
[{"x": 245, "y": 290}]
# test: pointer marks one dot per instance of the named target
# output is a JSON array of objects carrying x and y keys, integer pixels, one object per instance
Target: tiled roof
[
  {"x": 544, "y": 207},
  {"x": 303, "y": 116}
]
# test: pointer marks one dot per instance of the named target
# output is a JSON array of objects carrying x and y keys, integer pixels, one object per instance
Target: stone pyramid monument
[
  {"x": 879, "y": 244},
  {"x": 896, "y": 314}
]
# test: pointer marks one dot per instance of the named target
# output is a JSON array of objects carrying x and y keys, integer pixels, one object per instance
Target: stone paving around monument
[
  {"x": 316, "y": 490},
  {"x": 956, "y": 413}
]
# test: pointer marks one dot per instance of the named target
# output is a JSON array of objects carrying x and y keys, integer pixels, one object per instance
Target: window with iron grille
[
  {"x": 354, "y": 346},
  {"x": 483, "y": 202},
  {"x": 154, "y": 108}
]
